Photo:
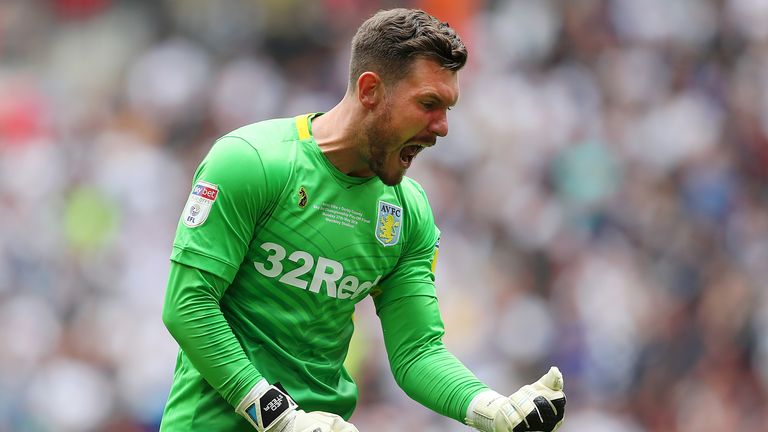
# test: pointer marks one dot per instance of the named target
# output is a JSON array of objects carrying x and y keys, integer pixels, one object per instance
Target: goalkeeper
[{"x": 291, "y": 222}]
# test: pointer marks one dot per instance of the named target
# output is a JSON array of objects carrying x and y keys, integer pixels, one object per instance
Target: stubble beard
[{"x": 380, "y": 137}]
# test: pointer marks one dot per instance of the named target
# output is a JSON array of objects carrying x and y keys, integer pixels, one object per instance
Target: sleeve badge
[{"x": 199, "y": 204}]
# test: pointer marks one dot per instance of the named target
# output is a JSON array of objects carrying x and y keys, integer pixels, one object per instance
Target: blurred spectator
[{"x": 602, "y": 196}]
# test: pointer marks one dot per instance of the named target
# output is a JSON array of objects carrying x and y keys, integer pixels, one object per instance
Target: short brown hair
[{"x": 389, "y": 41}]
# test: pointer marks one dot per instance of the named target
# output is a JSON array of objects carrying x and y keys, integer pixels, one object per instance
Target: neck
[{"x": 339, "y": 137}]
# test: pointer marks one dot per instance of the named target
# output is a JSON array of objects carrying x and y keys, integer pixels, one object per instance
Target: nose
[{"x": 439, "y": 124}]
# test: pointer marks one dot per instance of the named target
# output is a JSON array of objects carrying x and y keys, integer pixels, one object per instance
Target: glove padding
[
  {"x": 269, "y": 409},
  {"x": 535, "y": 407}
]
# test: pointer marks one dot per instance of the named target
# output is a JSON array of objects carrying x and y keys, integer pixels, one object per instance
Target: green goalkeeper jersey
[{"x": 297, "y": 244}]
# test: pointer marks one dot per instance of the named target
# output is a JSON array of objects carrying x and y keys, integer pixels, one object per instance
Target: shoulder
[
  {"x": 412, "y": 194},
  {"x": 420, "y": 233},
  {"x": 259, "y": 153},
  {"x": 415, "y": 204},
  {"x": 271, "y": 142},
  {"x": 266, "y": 134}
]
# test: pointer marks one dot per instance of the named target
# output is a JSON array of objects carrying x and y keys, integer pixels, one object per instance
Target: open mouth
[{"x": 408, "y": 153}]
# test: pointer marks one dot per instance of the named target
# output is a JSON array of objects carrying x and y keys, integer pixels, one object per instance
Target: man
[{"x": 292, "y": 221}]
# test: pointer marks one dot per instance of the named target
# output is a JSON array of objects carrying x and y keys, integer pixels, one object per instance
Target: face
[{"x": 409, "y": 119}]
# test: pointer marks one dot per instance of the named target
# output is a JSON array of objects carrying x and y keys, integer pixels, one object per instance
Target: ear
[{"x": 370, "y": 89}]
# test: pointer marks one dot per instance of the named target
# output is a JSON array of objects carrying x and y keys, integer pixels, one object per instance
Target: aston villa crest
[{"x": 389, "y": 223}]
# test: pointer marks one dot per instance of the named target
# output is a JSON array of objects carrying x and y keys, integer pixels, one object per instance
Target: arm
[
  {"x": 422, "y": 366},
  {"x": 207, "y": 251},
  {"x": 406, "y": 303},
  {"x": 231, "y": 192},
  {"x": 432, "y": 376},
  {"x": 192, "y": 315}
]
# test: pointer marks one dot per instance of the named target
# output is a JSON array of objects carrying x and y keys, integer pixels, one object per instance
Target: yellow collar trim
[{"x": 302, "y": 125}]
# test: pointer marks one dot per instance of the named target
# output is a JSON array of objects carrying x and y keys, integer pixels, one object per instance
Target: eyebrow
[{"x": 435, "y": 96}]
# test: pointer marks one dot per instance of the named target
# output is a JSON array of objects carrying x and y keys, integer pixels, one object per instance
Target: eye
[{"x": 428, "y": 105}]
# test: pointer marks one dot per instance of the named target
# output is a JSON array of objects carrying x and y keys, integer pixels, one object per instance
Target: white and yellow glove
[
  {"x": 535, "y": 407},
  {"x": 268, "y": 409}
]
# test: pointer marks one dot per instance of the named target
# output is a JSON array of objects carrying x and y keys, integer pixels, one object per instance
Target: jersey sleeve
[
  {"x": 420, "y": 363},
  {"x": 192, "y": 315},
  {"x": 414, "y": 273},
  {"x": 230, "y": 192}
]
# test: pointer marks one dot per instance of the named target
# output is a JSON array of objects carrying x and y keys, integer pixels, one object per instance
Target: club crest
[
  {"x": 389, "y": 223},
  {"x": 199, "y": 203}
]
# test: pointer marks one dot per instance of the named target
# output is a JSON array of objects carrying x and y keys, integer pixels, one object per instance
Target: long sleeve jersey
[{"x": 274, "y": 248}]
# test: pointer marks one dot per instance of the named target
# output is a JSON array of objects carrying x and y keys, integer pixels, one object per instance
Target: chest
[{"x": 329, "y": 238}]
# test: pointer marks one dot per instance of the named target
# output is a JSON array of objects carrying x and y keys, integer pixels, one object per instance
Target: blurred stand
[{"x": 602, "y": 196}]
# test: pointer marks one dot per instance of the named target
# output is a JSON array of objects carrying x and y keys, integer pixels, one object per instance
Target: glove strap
[
  {"x": 483, "y": 409},
  {"x": 265, "y": 405}
]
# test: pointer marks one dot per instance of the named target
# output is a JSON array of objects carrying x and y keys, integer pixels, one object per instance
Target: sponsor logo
[
  {"x": 206, "y": 190},
  {"x": 389, "y": 223},
  {"x": 279, "y": 404},
  {"x": 325, "y": 273},
  {"x": 199, "y": 203},
  {"x": 274, "y": 404}
]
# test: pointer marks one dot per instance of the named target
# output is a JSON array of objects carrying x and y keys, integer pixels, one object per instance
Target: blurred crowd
[{"x": 602, "y": 196}]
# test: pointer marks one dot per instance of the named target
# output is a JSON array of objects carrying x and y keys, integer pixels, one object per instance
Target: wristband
[{"x": 265, "y": 405}]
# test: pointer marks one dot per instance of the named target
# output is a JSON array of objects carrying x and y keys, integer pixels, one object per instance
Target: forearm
[
  {"x": 193, "y": 317},
  {"x": 421, "y": 364},
  {"x": 439, "y": 381}
]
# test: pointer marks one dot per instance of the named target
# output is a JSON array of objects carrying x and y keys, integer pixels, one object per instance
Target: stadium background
[{"x": 602, "y": 196}]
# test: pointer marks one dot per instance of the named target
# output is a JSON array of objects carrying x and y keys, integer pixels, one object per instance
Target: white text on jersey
[{"x": 326, "y": 270}]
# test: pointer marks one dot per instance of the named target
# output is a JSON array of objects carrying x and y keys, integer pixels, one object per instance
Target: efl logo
[{"x": 199, "y": 203}]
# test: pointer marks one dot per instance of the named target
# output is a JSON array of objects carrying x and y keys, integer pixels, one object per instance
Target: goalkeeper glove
[
  {"x": 535, "y": 407},
  {"x": 268, "y": 409}
]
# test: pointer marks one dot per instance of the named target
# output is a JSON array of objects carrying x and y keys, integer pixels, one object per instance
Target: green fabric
[
  {"x": 299, "y": 244},
  {"x": 245, "y": 192},
  {"x": 192, "y": 315},
  {"x": 420, "y": 363}
]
